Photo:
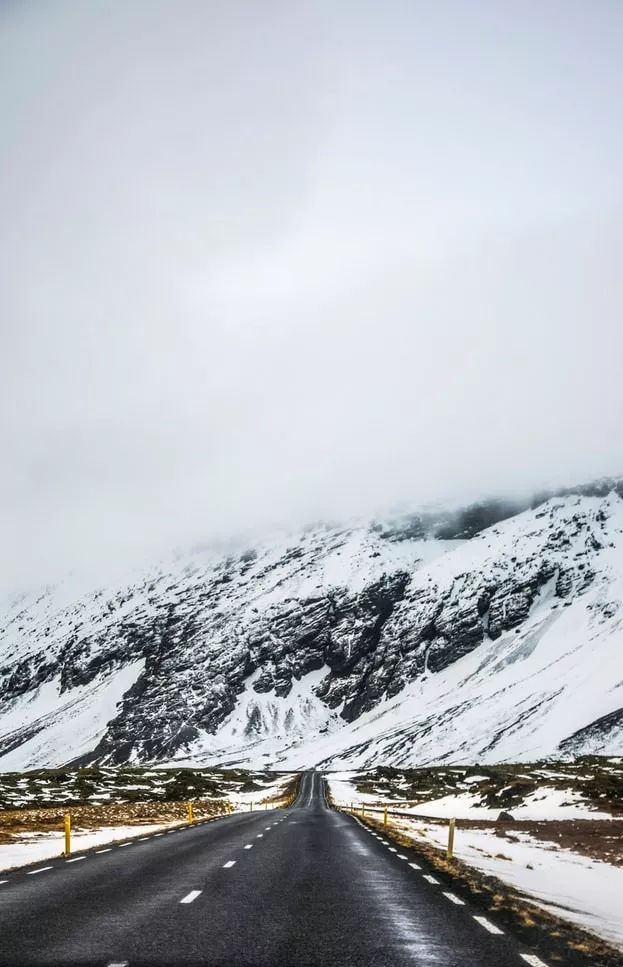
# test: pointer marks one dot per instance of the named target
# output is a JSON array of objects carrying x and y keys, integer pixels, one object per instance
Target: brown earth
[{"x": 599, "y": 839}]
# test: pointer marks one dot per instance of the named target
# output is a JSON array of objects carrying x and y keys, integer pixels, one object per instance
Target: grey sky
[{"x": 264, "y": 261}]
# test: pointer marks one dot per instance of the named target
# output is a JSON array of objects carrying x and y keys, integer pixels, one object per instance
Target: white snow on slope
[
  {"x": 263, "y": 723},
  {"x": 69, "y": 723},
  {"x": 511, "y": 699},
  {"x": 527, "y": 691}
]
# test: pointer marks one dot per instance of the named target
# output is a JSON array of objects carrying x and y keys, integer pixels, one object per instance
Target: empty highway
[{"x": 306, "y": 885}]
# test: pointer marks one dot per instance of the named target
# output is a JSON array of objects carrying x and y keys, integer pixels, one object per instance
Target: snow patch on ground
[
  {"x": 585, "y": 891},
  {"x": 545, "y": 804},
  {"x": 33, "y": 847}
]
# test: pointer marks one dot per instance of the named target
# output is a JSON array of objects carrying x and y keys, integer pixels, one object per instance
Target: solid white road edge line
[
  {"x": 191, "y": 896},
  {"x": 455, "y": 899},
  {"x": 491, "y": 927}
]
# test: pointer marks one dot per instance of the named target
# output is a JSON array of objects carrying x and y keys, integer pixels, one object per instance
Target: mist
[{"x": 265, "y": 263}]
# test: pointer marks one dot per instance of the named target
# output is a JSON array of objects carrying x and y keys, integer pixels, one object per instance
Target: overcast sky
[{"x": 264, "y": 261}]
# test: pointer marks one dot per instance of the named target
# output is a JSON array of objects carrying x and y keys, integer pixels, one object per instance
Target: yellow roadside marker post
[
  {"x": 251, "y": 805},
  {"x": 190, "y": 812},
  {"x": 67, "y": 824},
  {"x": 384, "y": 815},
  {"x": 451, "y": 827},
  {"x": 363, "y": 810}
]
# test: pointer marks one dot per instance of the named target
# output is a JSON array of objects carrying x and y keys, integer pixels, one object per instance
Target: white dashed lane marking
[
  {"x": 491, "y": 927},
  {"x": 125, "y": 844},
  {"x": 401, "y": 856},
  {"x": 142, "y": 839},
  {"x": 392, "y": 849},
  {"x": 430, "y": 879},
  {"x": 107, "y": 850},
  {"x": 76, "y": 859},
  {"x": 259, "y": 836},
  {"x": 249, "y": 846},
  {"x": 228, "y": 865},
  {"x": 533, "y": 960},
  {"x": 3, "y": 881},
  {"x": 455, "y": 899},
  {"x": 119, "y": 963},
  {"x": 41, "y": 869},
  {"x": 191, "y": 896},
  {"x": 414, "y": 866}
]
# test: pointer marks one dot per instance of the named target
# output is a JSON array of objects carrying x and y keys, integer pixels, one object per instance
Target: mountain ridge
[{"x": 349, "y": 645}]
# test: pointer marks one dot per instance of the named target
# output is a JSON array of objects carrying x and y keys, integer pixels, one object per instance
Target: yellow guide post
[
  {"x": 451, "y": 827},
  {"x": 384, "y": 815},
  {"x": 363, "y": 810},
  {"x": 67, "y": 824},
  {"x": 190, "y": 812}
]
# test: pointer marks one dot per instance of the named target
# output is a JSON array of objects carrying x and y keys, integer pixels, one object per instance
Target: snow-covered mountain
[{"x": 490, "y": 633}]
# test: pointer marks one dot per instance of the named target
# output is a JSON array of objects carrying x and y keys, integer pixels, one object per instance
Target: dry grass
[{"x": 14, "y": 822}]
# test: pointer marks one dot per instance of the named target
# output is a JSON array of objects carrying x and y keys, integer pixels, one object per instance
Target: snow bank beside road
[
  {"x": 33, "y": 847},
  {"x": 585, "y": 891}
]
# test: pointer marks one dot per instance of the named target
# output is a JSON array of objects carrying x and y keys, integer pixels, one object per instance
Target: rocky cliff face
[{"x": 488, "y": 632}]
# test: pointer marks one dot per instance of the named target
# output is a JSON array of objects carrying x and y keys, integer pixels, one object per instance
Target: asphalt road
[{"x": 306, "y": 885}]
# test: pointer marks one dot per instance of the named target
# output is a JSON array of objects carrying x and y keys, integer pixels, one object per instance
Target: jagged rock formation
[{"x": 397, "y": 641}]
